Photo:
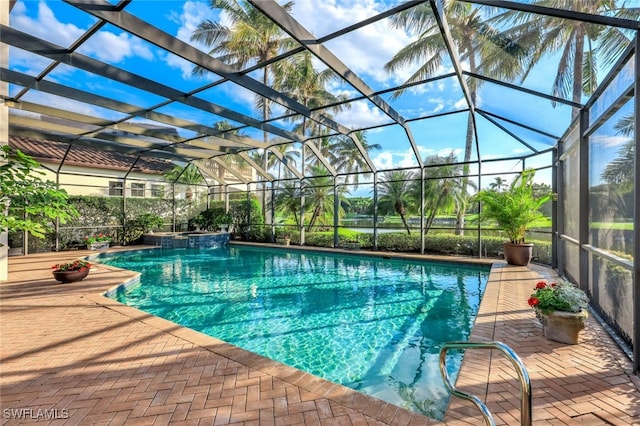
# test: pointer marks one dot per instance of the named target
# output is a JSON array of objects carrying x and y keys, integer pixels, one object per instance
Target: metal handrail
[{"x": 525, "y": 383}]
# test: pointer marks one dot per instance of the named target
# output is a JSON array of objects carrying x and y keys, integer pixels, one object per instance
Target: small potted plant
[
  {"x": 71, "y": 271},
  {"x": 283, "y": 238},
  {"x": 561, "y": 307},
  {"x": 223, "y": 222},
  {"x": 514, "y": 211},
  {"x": 97, "y": 242}
]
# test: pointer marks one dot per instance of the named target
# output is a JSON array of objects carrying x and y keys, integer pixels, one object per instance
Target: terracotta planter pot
[
  {"x": 70, "y": 276},
  {"x": 518, "y": 254},
  {"x": 563, "y": 327}
]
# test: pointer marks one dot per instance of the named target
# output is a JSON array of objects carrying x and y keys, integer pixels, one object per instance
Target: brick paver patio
[{"x": 72, "y": 356}]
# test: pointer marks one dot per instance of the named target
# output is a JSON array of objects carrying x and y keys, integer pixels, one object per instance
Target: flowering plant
[
  {"x": 76, "y": 265},
  {"x": 96, "y": 238},
  {"x": 558, "y": 296}
]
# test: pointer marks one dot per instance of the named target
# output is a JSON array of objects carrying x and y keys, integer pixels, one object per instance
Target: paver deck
[{"x": 69, "y": 355}]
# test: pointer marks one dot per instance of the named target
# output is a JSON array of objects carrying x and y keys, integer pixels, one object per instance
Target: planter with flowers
[
  {"x": 561, "y": 307},
  {"x": 97, "y": 242},
  {"x": 71, "y": 272}
]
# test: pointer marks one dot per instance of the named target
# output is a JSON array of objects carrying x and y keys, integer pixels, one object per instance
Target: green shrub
[{"x": 441, "y": 244}]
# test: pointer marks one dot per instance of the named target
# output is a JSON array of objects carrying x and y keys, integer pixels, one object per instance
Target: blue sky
[{"x": 365, "y": 51}]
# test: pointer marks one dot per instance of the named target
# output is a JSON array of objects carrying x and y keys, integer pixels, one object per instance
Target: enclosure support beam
[
  {"x": 636, "y": 216},
  {"x": 557, "y": 211},
  {"x": 336, "y": 207},
  {"x": 479, "y": 222},
  {"x": 557, "y": 221},
  {"x": 173, "y": 206},
  {"x": 303, "y": 159},
  {"x": 583, "y": 188},
  {"x": 375, "y": 210},
  {"x": 422, "y": 242}
]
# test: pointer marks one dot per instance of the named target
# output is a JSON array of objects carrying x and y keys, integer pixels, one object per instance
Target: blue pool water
[{"x": 375, "y": 325}]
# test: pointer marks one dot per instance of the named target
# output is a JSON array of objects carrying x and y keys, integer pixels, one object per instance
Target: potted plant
[
  {"x": 223, "y": 222},
  {"x": 97, "y": 242},
  {"x": 283, "y": 237},
  {"x": 561, "y": 307},
  {"x": 514, "y": 211},
  {"x": 71, "y": 271}
]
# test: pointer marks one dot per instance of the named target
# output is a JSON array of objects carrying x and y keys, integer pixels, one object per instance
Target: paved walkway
[{"x": 71, "y": 356}]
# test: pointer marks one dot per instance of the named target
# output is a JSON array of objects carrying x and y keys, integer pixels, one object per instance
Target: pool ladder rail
[{"x": 523, "y": 376}]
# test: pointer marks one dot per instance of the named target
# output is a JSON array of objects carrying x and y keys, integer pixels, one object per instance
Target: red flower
[
  {"x": 541, "y": 284},
  {"x": 554, "y": 284},
  {"x": 533, "y": 301},
  {"x": 72, "y": 266}
]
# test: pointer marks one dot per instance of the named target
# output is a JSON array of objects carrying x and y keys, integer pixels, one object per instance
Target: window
[
  {"x": 157, "y": 190},
  {"x": 137, "y": 189},
  {"x": 115, "y": 188}
]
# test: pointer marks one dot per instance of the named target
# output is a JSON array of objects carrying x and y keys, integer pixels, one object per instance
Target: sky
[{"x": 365, "y": 51}]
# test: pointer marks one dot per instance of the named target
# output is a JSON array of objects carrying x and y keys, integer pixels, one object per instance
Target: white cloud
[
  {"x": 361, "y": 114},
  {"x": 609, "y": 141},
  {"x": 193, "y": 13},
  {"x": 461, "y": 103},
  {"x": 71, "y": 105},
  {"x": 389, "y": 159},
  {"x": 383, "y": 160},
  {"x": 366, "y": 50},
  {"x": 114, "y": 48},
  {"x": 104, "y": 45},
  {"x": 45, "y": 26}
]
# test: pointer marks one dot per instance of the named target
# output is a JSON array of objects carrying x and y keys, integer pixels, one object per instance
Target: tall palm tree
[
  {"x": 252, "y": 37},
  {"x": 394, "y": 191},
  {"x": 499, "y": 184},
  {"x": 189, "y": 175},
  {"x": 319, "y": 196},
  {"x": 581, "y": 44},
  {"x": 443, "y": 187},
  {"x": 324, "y": 144},
  {"x": 288, "y": 201},
  {"x": 290, "y": 155},
  {"x": 478, "y": 43},
  {"x": 348, "y": 157},
  {"x": 229, "y": 159},
  {"x": 302, "y": 82}
]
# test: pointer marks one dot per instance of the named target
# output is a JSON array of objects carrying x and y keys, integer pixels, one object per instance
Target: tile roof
[{"x": 46, "y": 151}]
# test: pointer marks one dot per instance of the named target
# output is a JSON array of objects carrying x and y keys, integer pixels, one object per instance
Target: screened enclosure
[{"x": 307, "y": 119}]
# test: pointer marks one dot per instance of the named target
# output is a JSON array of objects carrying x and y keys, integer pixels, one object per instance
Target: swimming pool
[{"x": 375, "y": 325}]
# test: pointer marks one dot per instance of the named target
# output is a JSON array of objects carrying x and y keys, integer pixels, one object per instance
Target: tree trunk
[{"x": 577, "y": 70}]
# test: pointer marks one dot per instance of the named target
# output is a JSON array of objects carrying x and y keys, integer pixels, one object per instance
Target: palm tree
[
  {"x": 478, "y": 43},
  {"x": 189, "y": 175},
  {"x": 499, "y": 184},
  {"x": 302, "y": 82},
  {"x": 394, "y": 192},
  {"x": 348, "y": 157},
  {"x": 252, "y": 37},
  {"x": 319, "y": 196},
  {"x": 224, "y": 126},
  {"x": 326, "y": 148},
  {"x": 288, "y": 201},
  {"x": 540, "y": 35},
  {"x": 443, "y": 187},
  {"x": 290, "y": 155}
]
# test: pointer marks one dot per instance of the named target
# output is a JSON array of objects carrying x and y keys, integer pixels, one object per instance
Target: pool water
[{"x": 373, "y": 324}]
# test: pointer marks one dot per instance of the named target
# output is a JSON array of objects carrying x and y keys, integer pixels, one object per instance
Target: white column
[{"x": 4, "y": 135}]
